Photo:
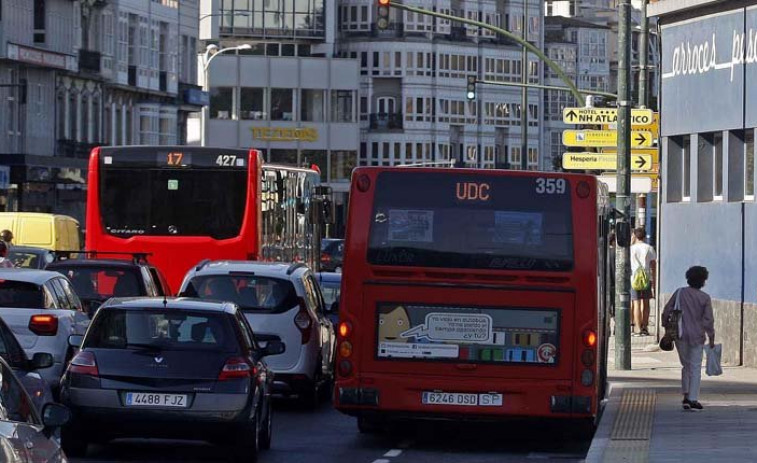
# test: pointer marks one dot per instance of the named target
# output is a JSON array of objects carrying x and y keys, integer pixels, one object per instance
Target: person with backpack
[
  {"x": 643, "y": 273},
  {"x": 687, "y": 317}
]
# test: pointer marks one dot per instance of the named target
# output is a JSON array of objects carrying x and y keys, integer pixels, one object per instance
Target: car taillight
[
  {"x": 236, "y": 367},
  {"x": 44, "y": 325},
  {"x": 325, "y": 257},
  {"x": 84, "y": 363},
  {"x": 303, "y": 322}
]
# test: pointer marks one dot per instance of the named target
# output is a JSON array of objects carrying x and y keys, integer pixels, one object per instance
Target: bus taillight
[
  {"x": 590, "y": 338},
  {"x": 345, "y": 329},
  {"x": 345, "y": 349}
]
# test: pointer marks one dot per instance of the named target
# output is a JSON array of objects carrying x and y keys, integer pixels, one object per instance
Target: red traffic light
[{"x": 383, "y": 2}]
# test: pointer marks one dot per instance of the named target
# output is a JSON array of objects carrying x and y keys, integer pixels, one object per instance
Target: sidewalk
[{"x": 644, "y": 421}]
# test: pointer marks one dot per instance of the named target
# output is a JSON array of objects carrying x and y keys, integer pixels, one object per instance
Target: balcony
[
  {"x": 133, "y": 76},
  {"x": 386, "y": 121},
  {"x": 89, "y": 61},
  {"x": 74, "y": 149}
]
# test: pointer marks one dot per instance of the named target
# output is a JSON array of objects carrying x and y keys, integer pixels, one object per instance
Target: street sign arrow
[
  {"x": 641, "y": 161},
  {"x": 640, "y": 139},
  {"x": 571, "y": 116},
  {"x": 601, "y": 161},
  {"x": 604, "y": 138}
]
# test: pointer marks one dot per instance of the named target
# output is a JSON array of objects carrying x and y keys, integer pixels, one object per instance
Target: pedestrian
[
  {"x": 4, "y": 261},
  {"x": 642, "y": 255},
  {"x": 7, "y": 237},
  {"x": 697, "y": 320}
]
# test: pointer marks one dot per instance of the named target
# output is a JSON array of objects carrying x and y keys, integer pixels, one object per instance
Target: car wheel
[
  {"x": 247, "y": 443},
  {"x": 368, "y": 425},
  {"x": 72, "y": 442},
  {"x": 267, "y": 430},
  {"x": 310, "y": 396}
]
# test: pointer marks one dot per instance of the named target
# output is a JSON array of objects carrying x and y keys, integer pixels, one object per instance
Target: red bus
[
  {"x": 183, "y": 204},
  {"x": 470, "y": 293}
]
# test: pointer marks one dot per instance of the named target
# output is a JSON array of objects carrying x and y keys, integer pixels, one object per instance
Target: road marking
[{"x": 393, "y": 453}]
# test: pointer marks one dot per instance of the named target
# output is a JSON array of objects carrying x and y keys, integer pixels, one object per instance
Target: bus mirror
[{"x": 623, "y": 234}]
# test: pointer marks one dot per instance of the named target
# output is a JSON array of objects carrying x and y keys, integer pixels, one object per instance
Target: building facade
[
  {"x": 413, "y": 77},
  {"x": 77, "y": 74},
  {"x": 288, "y": 94},
  {"x": 580, "y": 49},
  {"x": 708, "y": 120}
]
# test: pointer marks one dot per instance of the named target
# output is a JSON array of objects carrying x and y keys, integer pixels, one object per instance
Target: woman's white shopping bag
[{"x": 713, "y": 359}]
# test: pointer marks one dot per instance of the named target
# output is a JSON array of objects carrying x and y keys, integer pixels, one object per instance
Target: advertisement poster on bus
[{"x": 467, "y": 334}]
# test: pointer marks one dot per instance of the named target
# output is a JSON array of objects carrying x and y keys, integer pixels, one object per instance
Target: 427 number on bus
[
  {"x": 550, "y": 186},
  {"x": 227, "y": 160}
]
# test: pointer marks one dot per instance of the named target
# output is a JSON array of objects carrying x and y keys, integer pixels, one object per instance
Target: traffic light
[
  {"x": 382, "y": 21},
  {"x": 471, "y": 90}
]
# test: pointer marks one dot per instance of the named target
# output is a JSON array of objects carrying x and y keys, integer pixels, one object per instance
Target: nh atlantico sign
[
  {"x": 307, "y": 134},
  {"x": 596, "y": 116}
]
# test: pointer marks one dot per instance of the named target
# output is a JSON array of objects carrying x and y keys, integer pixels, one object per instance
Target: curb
[{"x": 604, "y": 431}]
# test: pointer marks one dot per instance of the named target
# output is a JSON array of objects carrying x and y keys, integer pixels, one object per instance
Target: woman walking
[{"x": 696, "y": 321}]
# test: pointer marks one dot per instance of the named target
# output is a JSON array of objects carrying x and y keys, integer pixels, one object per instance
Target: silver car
[
  {"x": 26, "y": 435},
  {"x": 42, "y": 310},
  {"x": 280, "y": 301}
]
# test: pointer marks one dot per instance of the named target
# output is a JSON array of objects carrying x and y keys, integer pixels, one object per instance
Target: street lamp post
[{"x": 207, "y": 59}]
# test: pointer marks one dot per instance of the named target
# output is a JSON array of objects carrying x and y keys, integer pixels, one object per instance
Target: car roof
[
  {"x": 171, "y": 303},
  {"x": 28, "y": 275},
  {"x": 329, "y": 277},
  {"x": 263, "y": 268},
  {"x": 93, "y": 263},
  {"x": 28, "y": 249}
]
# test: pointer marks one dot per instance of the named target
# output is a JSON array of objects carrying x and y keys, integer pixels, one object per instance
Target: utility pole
[
  {"x": 623, "y": 196},
  {"x": 524, "y": 94},
  {"x": 641, "y": 199}
]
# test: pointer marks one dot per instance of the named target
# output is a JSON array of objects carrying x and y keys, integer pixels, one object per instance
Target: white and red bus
[
  {"x": 183, "y": 204},
  {"x": 474, "y": 294}
]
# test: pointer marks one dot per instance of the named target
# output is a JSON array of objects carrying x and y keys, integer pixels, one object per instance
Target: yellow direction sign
[
  {"x": 639, "y": 117},
  {"x": 604, "y": 138},
  {"x": 599, "y": 161}
]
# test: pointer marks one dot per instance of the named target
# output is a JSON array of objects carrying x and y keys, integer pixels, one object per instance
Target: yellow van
[{"x": 50, "y": 231}]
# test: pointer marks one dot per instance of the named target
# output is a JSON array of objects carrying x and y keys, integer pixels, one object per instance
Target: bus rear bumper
[{"x": 520, "y": 398}]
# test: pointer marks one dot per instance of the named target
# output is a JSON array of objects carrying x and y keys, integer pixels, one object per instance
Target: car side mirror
[
  {"x": 41, "y": 360},
  {"x": 75, "y": 340},
  {"x": 55, "y": 415},
  {"x": 273, "y": 347}
]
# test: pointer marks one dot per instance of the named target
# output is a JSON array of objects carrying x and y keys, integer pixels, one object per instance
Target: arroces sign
[{"x": 703, "y": 73}]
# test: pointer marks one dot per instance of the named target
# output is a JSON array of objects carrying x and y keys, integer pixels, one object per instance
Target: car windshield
[
  {"x": 20, "y": 294},
  {"x": 161, "y": 330},
  {"x": 248, "y": 291},
  {"x": 97, "y": 283},
  {"x": 330, "y": 293}
]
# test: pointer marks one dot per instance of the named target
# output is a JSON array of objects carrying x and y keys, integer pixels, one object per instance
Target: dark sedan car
[{"x": 170, "y": 368}]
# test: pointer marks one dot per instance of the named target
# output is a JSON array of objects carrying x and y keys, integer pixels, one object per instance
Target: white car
[
  {"x": 42, "y": 310},
  {"x": 280, "y": 301}
]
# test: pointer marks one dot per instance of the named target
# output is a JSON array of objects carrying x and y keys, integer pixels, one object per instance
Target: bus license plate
[
  {"x": 146, "y": 399},
  {"x": 459, "y": 398}
]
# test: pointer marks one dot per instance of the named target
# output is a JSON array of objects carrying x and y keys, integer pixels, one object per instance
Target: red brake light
[
  {"x": 236, "y": 367},
  {"x": 44, "y": 325},
  {"x": 84, "y": 363},
  {"x": 590, "y": 338},
  {"x": 345, "y": 329},
  {"x": 303, "y": 322},
  {"x": 363, "y": 183}
]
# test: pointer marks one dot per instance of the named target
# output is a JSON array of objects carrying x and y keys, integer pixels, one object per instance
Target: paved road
[{"x": 326, "y": 435}]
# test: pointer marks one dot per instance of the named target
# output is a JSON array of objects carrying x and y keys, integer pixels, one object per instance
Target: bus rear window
[
  {"x": 175, "y": 202},
  {"x": 471, "y": 221}
]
